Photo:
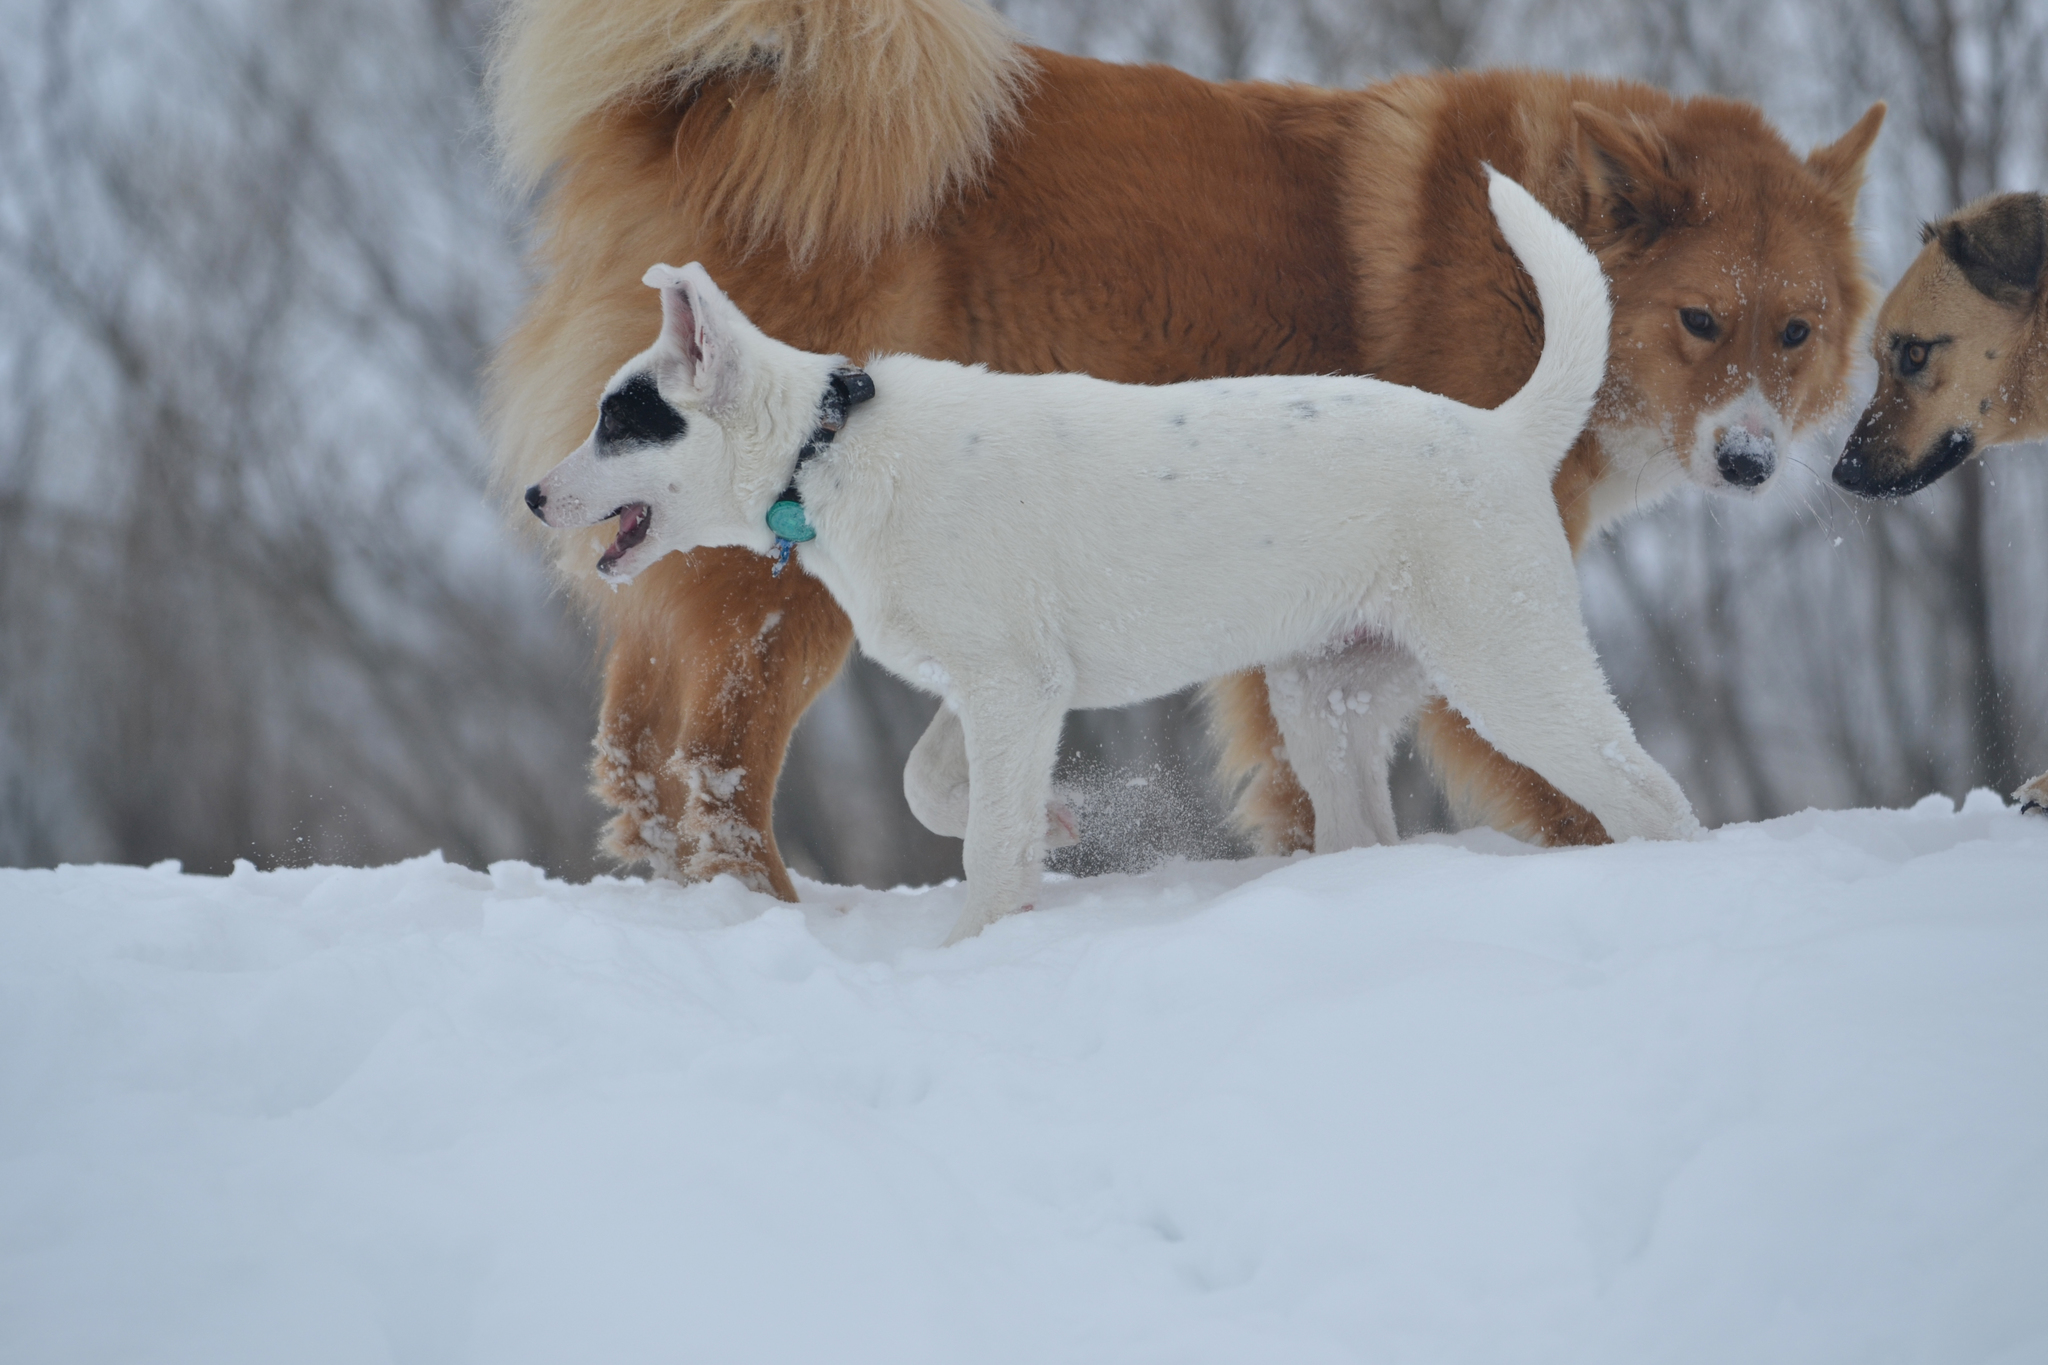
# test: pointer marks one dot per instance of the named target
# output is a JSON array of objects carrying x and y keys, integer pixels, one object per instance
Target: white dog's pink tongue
[{"x": 633, "y": 519}]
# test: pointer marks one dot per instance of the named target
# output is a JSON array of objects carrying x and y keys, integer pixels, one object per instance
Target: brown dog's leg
[
  {"x": 712, "y": 662},
  {"x": 1485, "y": 787},
  {"x": 1271, "y": 805}
]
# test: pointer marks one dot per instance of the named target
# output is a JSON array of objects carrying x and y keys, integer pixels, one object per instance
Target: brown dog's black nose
[
  {"x": 1746, "y": 464},
  {"x": 535, "y": 500}
]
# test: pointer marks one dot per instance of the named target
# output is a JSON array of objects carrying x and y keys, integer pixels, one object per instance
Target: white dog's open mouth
[{"x": 634, "y": 519}]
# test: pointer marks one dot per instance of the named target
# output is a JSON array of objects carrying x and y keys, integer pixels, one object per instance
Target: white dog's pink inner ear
[{"x": 679, "y": 327}]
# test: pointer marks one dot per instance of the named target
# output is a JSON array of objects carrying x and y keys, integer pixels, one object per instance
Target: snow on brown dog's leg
[
  {"x": 704, "y": 685},
  {"x": 2033, "y": 797}
]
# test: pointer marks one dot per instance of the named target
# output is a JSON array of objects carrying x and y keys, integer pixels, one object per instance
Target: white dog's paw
[
  {"x": 977, "y": 917},
  {"x": 970, "y": 923},
  {"x": 2033, "y": 797}
]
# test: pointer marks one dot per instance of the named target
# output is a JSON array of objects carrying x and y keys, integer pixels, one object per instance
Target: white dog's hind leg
[
  {"x": 935, "y": 778},
  {"x": 1528, "y": 680},
  {"x": 1012, "y": 745},
  {"x": 1341, "y": 714},
  {"x": 935, "y": 783}
]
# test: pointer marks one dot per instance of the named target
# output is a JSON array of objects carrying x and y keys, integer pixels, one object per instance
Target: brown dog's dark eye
[
  {"x": 1699, "y": 322},
  {"x": 1795, "y": 332},
  {"x": 1913, "y": 359}
]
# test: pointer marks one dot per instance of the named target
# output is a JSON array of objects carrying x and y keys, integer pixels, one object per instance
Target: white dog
[{"x": 1026, "y": 544}]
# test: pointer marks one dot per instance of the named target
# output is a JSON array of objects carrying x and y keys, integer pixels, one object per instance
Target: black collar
[{"x": 847, "y": 388}]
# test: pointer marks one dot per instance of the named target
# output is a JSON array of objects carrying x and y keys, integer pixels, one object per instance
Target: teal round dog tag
[{"x": 787, "y": 520}]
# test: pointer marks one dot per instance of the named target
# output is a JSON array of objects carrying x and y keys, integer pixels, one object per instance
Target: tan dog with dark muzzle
[{"x": 1962, "y": 358}]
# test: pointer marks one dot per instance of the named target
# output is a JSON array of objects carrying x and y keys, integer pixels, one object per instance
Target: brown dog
[
  {"x": 902, "y": 175},
  {"x": 1962, "y": 359}
]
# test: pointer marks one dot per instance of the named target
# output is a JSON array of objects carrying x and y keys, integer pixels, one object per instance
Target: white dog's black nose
[{"x": 535, "y": 500}]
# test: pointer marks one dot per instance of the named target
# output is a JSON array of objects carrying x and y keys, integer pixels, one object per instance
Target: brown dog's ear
[
  {"x": 1999, "y": 244},
  {"x": 1630, "y": 186},
  {"x": 1840, "y": 164}
]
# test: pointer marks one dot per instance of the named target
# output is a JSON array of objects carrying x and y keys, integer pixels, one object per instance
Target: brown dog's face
[
  {"x": 1738, "y": 288},
  {"x": 1947, "y": 342}
]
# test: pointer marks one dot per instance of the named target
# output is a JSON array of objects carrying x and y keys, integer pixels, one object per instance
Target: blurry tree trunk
[
  {"x": 1230, "y": 25},
  {"x": 1994, "y": 756}
]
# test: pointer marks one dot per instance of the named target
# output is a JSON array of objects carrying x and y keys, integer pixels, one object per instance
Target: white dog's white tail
[
  {"x": 858, "y": 119},
  {"x": 1553, "y": 406}
]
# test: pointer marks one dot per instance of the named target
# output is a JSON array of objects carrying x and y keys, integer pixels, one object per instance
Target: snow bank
[{"x": 1781, "y": 1096}]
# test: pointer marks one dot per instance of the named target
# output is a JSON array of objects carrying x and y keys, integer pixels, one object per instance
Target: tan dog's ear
[
  {"x": 1840, "y": 164},
  {"x": 1999, "y": 244},
  {"x": 1630, "y": 186}
]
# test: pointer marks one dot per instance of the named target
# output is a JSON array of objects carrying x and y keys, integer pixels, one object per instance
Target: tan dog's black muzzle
[{"x": 1873, "y": 465}]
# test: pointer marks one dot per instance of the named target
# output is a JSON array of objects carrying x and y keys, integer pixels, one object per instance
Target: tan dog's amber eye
[
  {"x": 1699, "y": 322},
  {"x": 1913, "y": 359},
  {"x": 1795, "y": 332}
]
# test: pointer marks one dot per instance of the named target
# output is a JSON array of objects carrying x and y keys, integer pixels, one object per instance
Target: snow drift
[{"x": 1779, "y": 1096}]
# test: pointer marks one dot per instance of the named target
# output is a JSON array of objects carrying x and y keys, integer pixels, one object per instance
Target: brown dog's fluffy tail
[{"x": 850, "y": 121}]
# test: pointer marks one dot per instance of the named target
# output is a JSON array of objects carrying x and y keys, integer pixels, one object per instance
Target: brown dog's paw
[{"x": 2033, "y": 797}]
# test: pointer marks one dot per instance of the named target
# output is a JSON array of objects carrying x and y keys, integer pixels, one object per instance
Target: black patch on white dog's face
[{"x": 637, "y": 415}]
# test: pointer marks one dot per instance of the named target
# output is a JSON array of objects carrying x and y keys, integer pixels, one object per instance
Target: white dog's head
[{"x": 695, "y": 435}]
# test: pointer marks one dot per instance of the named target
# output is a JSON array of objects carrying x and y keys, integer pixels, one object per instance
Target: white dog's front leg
[
  {"x": 1011, "y": 748},
  {"x": 1341, "y": 714},
  {"x": 935, "y": 783}
]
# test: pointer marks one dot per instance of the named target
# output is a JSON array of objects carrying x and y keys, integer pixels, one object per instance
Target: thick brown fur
[
  {"x": 1132, "y": 222},
  {"x": 1962, "y": 358},
  {"x": 860, "y": 118}
]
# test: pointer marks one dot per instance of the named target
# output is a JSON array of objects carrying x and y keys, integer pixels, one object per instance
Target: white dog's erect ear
[{"x": 702, "y": 330}]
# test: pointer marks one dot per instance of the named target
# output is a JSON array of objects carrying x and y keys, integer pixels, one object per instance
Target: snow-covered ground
[{"x": 1780, "y": 1096}]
